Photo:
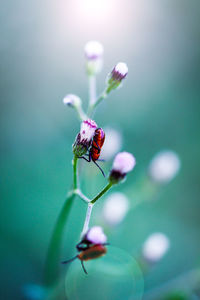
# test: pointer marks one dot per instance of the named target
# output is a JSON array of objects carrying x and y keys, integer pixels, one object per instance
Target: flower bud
[
  {"x": 155, "y": 247},
  {"x": 84, "y": 137},
  {"x": 115, "y": 208},
  {"x": 95, "y": 235},
  {"x": 72, "y": 100},
  {"x": 164, "y": 166},
  {"x": 123, "y": 163},
  {"x": 115, "y": 78},
  {"x": 93, "y": 52}
]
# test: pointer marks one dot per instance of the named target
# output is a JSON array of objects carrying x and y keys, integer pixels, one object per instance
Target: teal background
[{"x": 41, "y": 52}]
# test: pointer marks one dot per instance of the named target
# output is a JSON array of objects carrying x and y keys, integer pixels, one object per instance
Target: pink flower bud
[
  {"x": 95, "y": 235},
  {"x": 123, "y": 163}
]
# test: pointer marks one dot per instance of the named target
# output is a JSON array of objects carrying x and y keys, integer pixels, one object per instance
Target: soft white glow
[
  {"x": 164, "y": 166},
  {"x": 96, "y": 6},
  {"x": 156, "y": 246},
  {"x": 112, "y": 144},
  {"x": 115, "y": 208}
]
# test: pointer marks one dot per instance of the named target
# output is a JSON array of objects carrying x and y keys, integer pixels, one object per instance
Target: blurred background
[{"x": 42, "y": 59}]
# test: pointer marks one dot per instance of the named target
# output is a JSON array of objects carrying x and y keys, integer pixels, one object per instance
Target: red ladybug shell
[
  {"x": 97, "y": 143},
  {"x": 92, "y": 252}
]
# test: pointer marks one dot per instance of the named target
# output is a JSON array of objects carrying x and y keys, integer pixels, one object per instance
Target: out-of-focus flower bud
[
  {"x": 124, "y": 162},
  {"x": 164, "y": 166},
  {"x": 155, "y": 247},
  {"x": 72, "y": 100},
  {"x": 115, "y": 78},
  {"x": 95, "y": 235},
  {"x": 94, "y": 54},
  {"x": 112, "y": 144},
  {"x": 84, "y": 138},
  {"x": 115, "y": 208}
]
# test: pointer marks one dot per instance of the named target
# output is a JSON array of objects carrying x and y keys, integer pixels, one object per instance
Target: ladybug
[
  {"x": 88, "y": 251},
  {"x": 95, "y": 149}
]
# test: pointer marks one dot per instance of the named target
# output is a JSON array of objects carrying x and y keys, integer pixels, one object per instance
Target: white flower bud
[
  {"x": 115, "y": 78},
  {"x": 164, "y": 166},
  {"x": 155, "y": 247},
  {"x": 93, "y": 50},
  {"x": 112, "y": 144},
  {"x": 88, "y": 128},
  {"x": 96, "y": 235},
  {"x": 115, "y": 208},
  {"x": 94, "y": 53},
  {"x": 123, "y": 163},
  {"x": 120, "y": 71},
  {"x": 72, "y": 100},
  {"x": 84, "y": 138}
]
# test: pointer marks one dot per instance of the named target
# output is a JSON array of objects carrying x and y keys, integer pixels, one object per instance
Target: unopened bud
[
  {"x": 84, "y": 137},
  {"x": 124, "y": 162},
  {"x": 72, "y": 100},
  {"x": 115, "y": 78},
  {"x": 94, "y": 53},
  {"x": 95, "y": 235}
]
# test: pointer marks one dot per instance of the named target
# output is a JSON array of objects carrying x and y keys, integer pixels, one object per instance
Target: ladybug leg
[
  {"x": 88, "y": 160},
  {"x": 99, "y": 168},
  {"x": 69, "y": 260},
  {"x": 84, "y": 269}
]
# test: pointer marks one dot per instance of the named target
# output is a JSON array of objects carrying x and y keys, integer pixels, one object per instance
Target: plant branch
[
  {"x": 87, "y": 219},
  {"x": 107, "y": 187},
  {"x": 82, "y": 196}
]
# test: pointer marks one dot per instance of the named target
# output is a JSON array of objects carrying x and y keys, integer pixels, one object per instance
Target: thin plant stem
[
  {"x": 92, "y": 90},
  {"x": 107, "y": 187},
  {"x": 81, "y": 114},
  {"x": 94, "y": 105},
  {"x": 53, "y": 255},
  {"x": 87, "y": 219},
  {"x": 82, "y": 196},
  {"x": 75, "y": 181}
]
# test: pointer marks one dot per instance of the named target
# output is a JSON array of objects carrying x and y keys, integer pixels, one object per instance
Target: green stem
[
  {"x": 107, "y": 187},
  {"x": 75, "y": 184},
  {"x": 94, "y": 105},
  {"x": 81, "y": 115},
  {"x": 53, "y": 255},
  {"x": 51, "y": 274}
]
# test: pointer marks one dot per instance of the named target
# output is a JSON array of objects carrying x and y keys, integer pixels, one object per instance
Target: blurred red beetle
[{"x": 88, "y": 251}]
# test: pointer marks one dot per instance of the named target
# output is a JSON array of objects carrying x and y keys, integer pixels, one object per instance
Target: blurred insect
[
  {"x": 95, "y": 149},
  {"x": 88, "y": 251}
]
